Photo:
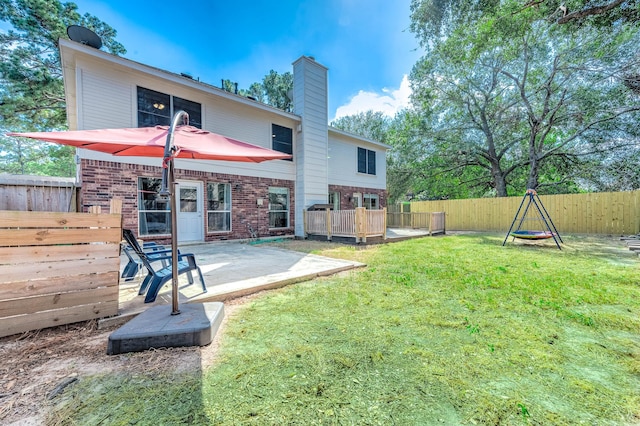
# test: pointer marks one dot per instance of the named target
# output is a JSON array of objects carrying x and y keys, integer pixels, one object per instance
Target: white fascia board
[{"x": 357, "y": 138}]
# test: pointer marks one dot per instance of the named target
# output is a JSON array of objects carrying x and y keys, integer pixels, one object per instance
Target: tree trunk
[
  {"x": 532, "y": 181},
  {"x": 499, "y": 181}
]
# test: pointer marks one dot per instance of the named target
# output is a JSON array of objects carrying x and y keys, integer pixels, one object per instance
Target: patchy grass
[{"x": 447, "y": 330}]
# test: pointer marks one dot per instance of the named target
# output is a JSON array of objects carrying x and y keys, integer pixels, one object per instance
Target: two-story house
[{"x": 218, "y": 200}]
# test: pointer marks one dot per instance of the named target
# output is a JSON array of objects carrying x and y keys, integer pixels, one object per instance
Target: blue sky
[{"x": 365, "y": 44}]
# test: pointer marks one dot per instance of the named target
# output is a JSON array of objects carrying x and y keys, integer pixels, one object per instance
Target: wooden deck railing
[
  {"x": 433, "y": 221},
  {"x": 359, "y": 223}
]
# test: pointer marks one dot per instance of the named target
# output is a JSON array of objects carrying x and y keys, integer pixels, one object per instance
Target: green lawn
[{"x": 442, "y": 330}]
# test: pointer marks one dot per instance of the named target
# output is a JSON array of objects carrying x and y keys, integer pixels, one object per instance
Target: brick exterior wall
[
  {"x": 104, "y": 180},
  {"x": 346, "y": 194}
]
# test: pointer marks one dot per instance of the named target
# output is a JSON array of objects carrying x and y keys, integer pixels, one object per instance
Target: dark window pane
[
  {"x": 218, "y": 196},
  {"x": 362, "y": 160},
  {"x": 219, "y": 221},
  {"x": 154, "y": 108},
  {"x": 282, "y": 139},
  {"x": 154, "y": 223},
  {"x": 278, "y": 207},
  {"x": 219, "y": 207},
  {"x": 188, "y": 200},
  {"x": 148, "y": 198},
  {"x": 153, "y": 217},
  {"x": 194, "y": 110},
  {"x": 371, "y": 162},
  {"x": 278, "y": 219}
]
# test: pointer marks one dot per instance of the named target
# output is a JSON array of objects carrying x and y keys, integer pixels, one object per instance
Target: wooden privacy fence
[
  {"x": 57, "y": 268},
  {"x": 38, "y": 193},
  {"x": 433, "y": 221},
  {"x": 614, "y": 213},
  {"x": 360, "y": 223}
]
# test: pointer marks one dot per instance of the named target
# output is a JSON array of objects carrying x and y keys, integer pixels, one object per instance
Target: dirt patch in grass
[
  {"x": 37, "y": 366},
  {"x": 40, "y": 364}
]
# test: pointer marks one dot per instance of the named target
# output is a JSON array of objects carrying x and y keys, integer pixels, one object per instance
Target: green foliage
[
  {"x": 275, "y": 90},
  {"x": 25, "y": 156},
  {"x": 512, "y": 101},
  {"x": 484, "y": 334},
  {"x": 372, "y": 125},
  {"x": 278, "y": 89},
  {"x": 31, "y": 87}
]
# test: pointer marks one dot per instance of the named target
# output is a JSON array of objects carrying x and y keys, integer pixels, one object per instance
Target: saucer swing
[{"x": 537, "y": 215}]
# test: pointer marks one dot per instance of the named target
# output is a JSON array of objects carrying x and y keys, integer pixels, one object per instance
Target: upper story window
[
  {"x": 366, "y": 161},
  {"x": 282, "y": 139},
  {"x": 155, "y": 108}
]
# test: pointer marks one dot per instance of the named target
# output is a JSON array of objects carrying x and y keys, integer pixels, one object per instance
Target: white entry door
[{"x": 190, "y": 208}]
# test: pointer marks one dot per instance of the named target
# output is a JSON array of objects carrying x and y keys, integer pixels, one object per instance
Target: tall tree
[
  {"x": 373, "y": 125},
  {"x": 435, "y": 19},
  {"x": 31, "y": 87},
  {"x": 511, "y": 94},
  {"x": 278, "y": 90},
  {"x": 274, "y": 89}
]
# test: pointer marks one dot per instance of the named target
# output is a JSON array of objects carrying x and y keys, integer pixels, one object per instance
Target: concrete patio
[
  {"x": 235, "y": 269},
  {"x": 232, "y": 270}
]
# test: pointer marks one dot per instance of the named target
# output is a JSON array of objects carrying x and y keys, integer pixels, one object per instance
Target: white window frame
[
  {"x": 170, "y": 108},
  {"x": 272, "y": 207},
  {"x": 334, "y": 200},
  {"x": 366, "y": 201},
  {"x": 226, "y": 210},
  {"x": 368, "y": 170},
  {"x": 143, "y": 210}
]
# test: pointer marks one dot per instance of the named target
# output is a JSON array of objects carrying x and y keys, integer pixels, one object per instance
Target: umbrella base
[{"x": 196, "y": 325}]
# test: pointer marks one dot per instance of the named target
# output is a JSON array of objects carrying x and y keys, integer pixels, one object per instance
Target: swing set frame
[{"x": 550, "y": 232}]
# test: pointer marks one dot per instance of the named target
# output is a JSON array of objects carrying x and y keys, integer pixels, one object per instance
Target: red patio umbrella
[
  {"x": 166, "y": 142},
  {"x": 189, "y": 141}
]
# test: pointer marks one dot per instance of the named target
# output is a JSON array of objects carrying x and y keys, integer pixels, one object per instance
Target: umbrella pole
[
  {"x": 174, "y": 242},
  {"x": 169, "y": 184}
]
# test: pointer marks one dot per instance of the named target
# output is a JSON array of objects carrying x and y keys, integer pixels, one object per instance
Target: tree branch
[{"x": 596, "y": 10}]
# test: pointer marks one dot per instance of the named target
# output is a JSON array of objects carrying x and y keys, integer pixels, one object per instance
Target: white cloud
[{"x": 388, "y": 102}]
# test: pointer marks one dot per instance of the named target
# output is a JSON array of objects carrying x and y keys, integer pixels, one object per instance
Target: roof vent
[{"x": 84, "y": 35}]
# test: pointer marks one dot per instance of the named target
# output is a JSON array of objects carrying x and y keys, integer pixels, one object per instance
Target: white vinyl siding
[
  {"x": 107, "y": 98},
  {"x": 343, "y": 164},
  {"x": 106, "y": 101}
]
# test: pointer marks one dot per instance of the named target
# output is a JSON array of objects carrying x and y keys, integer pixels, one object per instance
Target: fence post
[
  {"x": 115, "y": 206},
  {"x": 361, "y": 224},
  {"x": 328, "y": 212},
  {"x": 384, "y": 224},
  {"x": 430, "y": 219},
  {"x": 304, "y": 222}
]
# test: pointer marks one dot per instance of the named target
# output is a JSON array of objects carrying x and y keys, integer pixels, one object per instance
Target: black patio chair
[
  {"x": 158, "y": 276},
  {"x": 134, "y": 264}
]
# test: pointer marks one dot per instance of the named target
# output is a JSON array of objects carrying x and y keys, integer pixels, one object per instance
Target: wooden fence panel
[
  {"x": 37, "y": 193},
  {"x": 376, "y": 223},
  {"x": 611, "y": 213},
  {"x": 57, "y": 268}
]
